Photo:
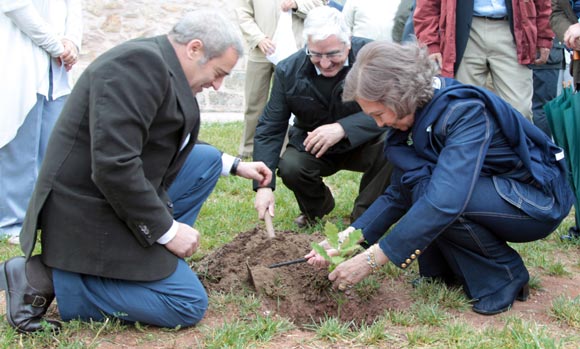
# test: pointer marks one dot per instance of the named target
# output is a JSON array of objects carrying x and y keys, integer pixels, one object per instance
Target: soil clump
[{"x": 298, "y": 292}]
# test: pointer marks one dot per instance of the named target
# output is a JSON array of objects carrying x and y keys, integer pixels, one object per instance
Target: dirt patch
[
  {"x": 304, "y": 295},
  {"x": 299, "y": 292}
]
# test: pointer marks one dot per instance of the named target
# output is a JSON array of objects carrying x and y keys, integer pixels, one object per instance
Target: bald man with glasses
[{"x": 327, "y": 135}]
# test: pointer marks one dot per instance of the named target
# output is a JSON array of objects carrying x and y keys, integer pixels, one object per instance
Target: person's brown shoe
[
  {"x": 302, "y": 221},
  {"x": 25, "y": 305}
]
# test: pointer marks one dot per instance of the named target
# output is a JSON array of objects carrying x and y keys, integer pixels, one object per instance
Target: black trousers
[{"x": 303, "y": 173}]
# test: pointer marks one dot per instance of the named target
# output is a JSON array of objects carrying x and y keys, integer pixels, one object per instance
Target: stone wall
[{"x": 110, "y": 22}]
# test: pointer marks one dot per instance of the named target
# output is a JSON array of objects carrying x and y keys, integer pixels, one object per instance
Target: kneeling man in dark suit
[{"x": 123, "y": 182}]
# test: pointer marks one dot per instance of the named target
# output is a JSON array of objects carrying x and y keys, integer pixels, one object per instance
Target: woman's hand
[
  {"x": 70, "y": 55},
  {"x": 350, "y": 272},
  {"x": 317, "y": 260}
]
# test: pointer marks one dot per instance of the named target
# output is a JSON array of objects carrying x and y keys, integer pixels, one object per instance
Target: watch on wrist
[{"x": 234, "y": 168}]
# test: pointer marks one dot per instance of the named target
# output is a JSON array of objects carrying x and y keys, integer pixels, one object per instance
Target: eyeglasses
[{"x": 332, "y": 55}]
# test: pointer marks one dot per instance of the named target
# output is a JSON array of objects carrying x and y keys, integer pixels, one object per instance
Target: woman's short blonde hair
[{"x": 398, "y": 76}]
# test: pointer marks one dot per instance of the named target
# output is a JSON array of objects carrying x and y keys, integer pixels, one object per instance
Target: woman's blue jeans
[{"x": 475, "y": 249}]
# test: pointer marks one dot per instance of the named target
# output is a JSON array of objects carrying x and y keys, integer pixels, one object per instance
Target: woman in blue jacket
[{"x": 471, "y": 174}]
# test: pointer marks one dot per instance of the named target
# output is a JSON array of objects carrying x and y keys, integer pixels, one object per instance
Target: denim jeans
[
  {"x": 178, "y": 300},
  {"x": 475, "y": 249},
  {"x": 20, "y": 162}
]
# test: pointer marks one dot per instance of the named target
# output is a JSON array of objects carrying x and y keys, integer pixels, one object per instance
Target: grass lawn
[{"x": 439, "y": 318}]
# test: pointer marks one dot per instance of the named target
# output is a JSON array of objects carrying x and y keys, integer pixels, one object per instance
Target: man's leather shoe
[
  {"x": 25, "y": 306},
  {"x": 503, "y": 299},
  {"x": 302, "y": 221}
]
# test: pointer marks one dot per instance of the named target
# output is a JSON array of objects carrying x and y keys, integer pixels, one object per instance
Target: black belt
[{"x": 504, "y": 18}]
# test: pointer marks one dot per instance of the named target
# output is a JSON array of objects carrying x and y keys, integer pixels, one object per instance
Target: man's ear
[
  {"x": 348, "y": 45},
  {"x": 194, "y": 49}
]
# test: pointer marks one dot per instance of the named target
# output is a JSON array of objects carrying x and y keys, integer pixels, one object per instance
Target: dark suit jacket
[{"x": 100, "y": 201}]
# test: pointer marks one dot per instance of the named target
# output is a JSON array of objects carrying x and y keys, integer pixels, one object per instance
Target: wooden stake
[{"x": 269, "y": 225}]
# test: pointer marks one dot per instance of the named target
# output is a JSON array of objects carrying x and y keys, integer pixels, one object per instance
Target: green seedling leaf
[
  {"x": 348, "y": 247},
  {"x": 331, "y": 232},
  {"x": 320, "y": 250},
  {"x": 336, "y": 260},
  {"x": 351, "y": 242},
  {"x": 349, "y": 250}
]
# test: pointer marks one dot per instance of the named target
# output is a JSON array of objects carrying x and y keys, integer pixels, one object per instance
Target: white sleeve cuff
[
  {"x": 227, "y": 162},
  {"x": 165, "y": 238}
]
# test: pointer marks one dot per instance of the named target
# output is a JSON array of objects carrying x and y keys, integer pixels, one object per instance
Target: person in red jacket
[{"x": 471, "y": 39}]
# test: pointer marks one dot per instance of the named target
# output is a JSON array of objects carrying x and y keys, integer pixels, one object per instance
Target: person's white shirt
[{"x": 30, "y": 34}]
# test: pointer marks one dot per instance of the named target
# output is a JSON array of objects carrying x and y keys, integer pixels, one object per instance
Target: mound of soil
[{"x": 299, "y": 292}]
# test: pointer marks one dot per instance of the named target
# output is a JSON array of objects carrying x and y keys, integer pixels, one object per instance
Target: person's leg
[
  {"x": 18, "y": 171},
  {"x": 178, "y": 300},
  {"x": 493, "y": 273},
  {"x": 256, "y": 90},
  {"x": 476, "y": 248},
  {"x": 511, "y": 80},
  {"x": 369, "y": 159},
  {"x": 51, "y": 112},
  {"x": 545, "y": 89},
  {"x": 409, "y": 29},
  {"x": 434, "y": 266},
  {"x": 195, "y": 181},
  {"x": 473, "y": 69},
  {"x": 29, "y": 293},
  {"x": 302, "y": 173},
  {"x": 484, "y": 261}
]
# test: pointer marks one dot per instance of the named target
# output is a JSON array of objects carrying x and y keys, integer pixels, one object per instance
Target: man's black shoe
[
  {"x": 302, "y": 221},
  {"x": 25, "y": 306}
]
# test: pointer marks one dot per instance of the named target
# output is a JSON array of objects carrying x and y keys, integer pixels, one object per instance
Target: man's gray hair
[
  {"x": 398, "y": 76},
  {"x": 324, "y": 21},
  {"x": 210, "y": 27}
]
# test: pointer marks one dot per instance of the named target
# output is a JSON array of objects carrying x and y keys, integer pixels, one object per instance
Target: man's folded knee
[{"x": 191, "y": 311}]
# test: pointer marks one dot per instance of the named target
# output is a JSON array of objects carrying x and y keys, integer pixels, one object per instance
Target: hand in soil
[{"x": 350, "y": 272}]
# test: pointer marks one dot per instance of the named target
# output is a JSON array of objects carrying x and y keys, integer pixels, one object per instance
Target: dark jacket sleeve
[
  {"x": 426, "y": 21},
  {"x": 385, "y": 211},
  {"x": 272, "y": 127},
  {"x": 561, "y": 19},
  {"x": 359, "y": 129}
]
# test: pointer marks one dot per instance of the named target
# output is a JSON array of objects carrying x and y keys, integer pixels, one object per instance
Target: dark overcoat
[{"x": 101, "y": 200}]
